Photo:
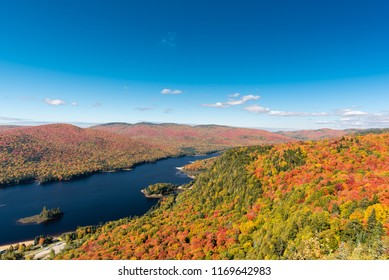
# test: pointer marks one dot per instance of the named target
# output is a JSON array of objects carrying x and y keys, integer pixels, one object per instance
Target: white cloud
[
  {"x": 319, "y": 114},
  {"x": 264, "y": 110},
  {"x": 348, "y": 112},
  {"x": 257, "y": 109},
  {"x": 243, "y": 100},
  {"x": 250, "y": 97},
  {"x": 341, "y": 118},
  {"x": 233, "y": 102},
  {"x": 74, "y": 104},
  {"x": 171, "y": 91},
  {"x": 287, "y": 114},
  {"x": 216, "y": 105},
  {"x": 379, "y": 120},
  {"x": 54, "y": 102}
]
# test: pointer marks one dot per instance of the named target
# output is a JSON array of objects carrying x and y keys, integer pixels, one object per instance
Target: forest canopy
[{"x": 308, "y": 200}]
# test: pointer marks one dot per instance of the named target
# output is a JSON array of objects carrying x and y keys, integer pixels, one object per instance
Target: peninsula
[{"x": 159, "y": 190}]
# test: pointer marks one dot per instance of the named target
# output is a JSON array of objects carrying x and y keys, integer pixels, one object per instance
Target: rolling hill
[
  {"x": 326, "y": 199},
  {"x": 317, "y": 134},
  {"x": 61, "y": 152},
  {"x": 8, "y": 127},
  {"x": 201, "y": 138}
]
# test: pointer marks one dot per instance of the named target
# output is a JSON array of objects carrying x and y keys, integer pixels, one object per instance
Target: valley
[
  {"x": 267, "y": 196},
  {"x": 310, "y": 200}
]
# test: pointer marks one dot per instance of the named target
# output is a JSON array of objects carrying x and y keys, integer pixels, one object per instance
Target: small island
[
  {"x": 44, "y": 217},
  {"x": 159, "y": 190}
]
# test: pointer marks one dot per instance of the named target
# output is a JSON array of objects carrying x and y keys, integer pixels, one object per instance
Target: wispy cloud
[
  {"x": 343, "y": 118},
  {"x": 169, "y": 40},
  {"x": 49, "y": 101},
  {"x": 216, "y": 105},
  {"x": 171, "y": 91},
  {"x": 96, "y": 105},
  {"x": 54, "y": 102},
  {"x": 324, "y": 122},
  {"x": 288, "y": 114},
  {"x": 368, "y": 120},
  {"x": 142, "y": 109},
  {"x": 233, "y": 102},
  {"x": 278, "y": 113},
  {"x": 350, "y": 112},
  {"x": 243, "y": 100},
  {"x": 11, "y": 119},
  {"x": 257, "y": 109}
]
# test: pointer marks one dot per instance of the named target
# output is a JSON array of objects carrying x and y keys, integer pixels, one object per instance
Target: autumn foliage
[
  {"x": 200, "y": 138},
  {"x": 307, "y": 200},
  {"x": 61, "y": 152}
]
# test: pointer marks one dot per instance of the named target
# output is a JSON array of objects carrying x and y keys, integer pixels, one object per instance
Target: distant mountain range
[
  {"x": 132, "y": 130},
  {"x": 202, "y": 137}
]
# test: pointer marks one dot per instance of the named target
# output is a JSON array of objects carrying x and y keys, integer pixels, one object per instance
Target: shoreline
[
  {"x": 30, "y": 239},
  {"x": 183, "y": 171},
  {"x": 6, "y": 246},
  {"x": 28, "y": 242},
  {"x": 152, "y": 195},
  {"x": 90, "y": 173}
]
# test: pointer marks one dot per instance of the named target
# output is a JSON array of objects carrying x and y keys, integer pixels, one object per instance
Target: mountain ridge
[{"x": 326, "y": 199}]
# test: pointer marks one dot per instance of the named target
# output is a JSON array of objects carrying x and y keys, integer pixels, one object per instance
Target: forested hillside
[
  {"x": 200, "y": 139},
  {"x": 314, "y": 134},
  {"x": 4, "y": 128},
  {"x": 308, "y": 200},
  {"x": 60, "y": 152}
]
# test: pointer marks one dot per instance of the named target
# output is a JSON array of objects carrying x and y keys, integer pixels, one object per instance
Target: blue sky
[{"x": 268, "y": 64}]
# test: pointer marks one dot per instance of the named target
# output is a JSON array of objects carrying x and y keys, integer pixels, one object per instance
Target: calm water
[{"x": 92, "y": 200}]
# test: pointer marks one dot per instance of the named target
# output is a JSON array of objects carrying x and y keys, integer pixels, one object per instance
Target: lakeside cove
[
  {"x": 90, "y": 200},
  {"x": 160, "y": 190}
]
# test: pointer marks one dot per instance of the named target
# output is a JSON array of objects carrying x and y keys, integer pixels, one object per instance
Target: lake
[{"x": 90, "y": 200}]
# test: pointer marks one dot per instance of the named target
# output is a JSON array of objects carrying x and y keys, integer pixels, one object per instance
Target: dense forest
[
  {"x": 61, "y": 152},
  {"x": 317, "y": 134},
  {"x": 197, "y": 167},
  {"x": 195, "y": 139},
  {"x": 308, "y": 200}
]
